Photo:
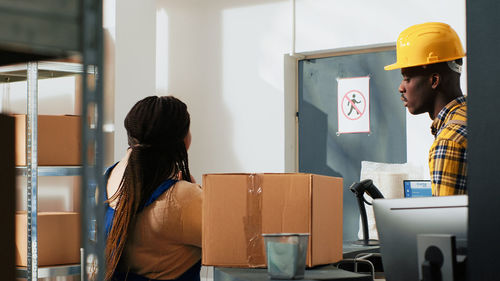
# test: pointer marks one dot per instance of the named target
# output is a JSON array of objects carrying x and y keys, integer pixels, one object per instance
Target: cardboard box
[
  {"x": 8, "y": 198},
  {"x": 59, "y": 142},
  {"x": 58, "y": 238},
  {"x": 238, "y": 208}
]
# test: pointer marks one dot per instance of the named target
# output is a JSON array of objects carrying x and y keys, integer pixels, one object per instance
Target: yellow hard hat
[{"x": 426, "y": 43}]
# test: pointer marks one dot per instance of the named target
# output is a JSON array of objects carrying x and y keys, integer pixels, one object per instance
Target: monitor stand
[{"x": 367, "y": 242}]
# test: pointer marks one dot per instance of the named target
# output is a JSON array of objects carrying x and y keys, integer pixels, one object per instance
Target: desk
[
  {"x": 352, "y": 250},
  {"x": 257, "y": 274},
  {"x": 327, "y": 272}
]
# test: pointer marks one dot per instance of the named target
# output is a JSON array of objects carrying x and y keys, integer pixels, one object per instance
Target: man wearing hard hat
[{"x": 430, "y": 58}]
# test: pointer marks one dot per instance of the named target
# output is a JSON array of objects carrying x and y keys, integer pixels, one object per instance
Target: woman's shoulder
[
  {"x": 182, "y": 193},
  {"x": 185, "y": 189}
]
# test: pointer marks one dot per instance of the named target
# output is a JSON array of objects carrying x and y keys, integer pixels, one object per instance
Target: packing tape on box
[{"x": 253, "y": 222}]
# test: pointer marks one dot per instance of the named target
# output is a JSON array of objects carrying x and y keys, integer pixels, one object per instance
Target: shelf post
[
  {"x": 32, "y": 170},
  {"x": 93, "y": 187}
]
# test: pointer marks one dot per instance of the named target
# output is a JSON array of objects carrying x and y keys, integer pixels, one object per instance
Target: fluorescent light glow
[{"x": 161, "y": 52}]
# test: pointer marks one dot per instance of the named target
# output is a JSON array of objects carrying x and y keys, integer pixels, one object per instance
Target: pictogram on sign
[
  {"x": 353, "y": 96},
  {"x": 353, "y": 105}
]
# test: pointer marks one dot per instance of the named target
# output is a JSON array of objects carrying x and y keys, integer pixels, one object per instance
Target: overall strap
[
  {"x": 110, "y": 212},
  {"x": 107, "y": 173},
  {"x": 166, "y": 185}
]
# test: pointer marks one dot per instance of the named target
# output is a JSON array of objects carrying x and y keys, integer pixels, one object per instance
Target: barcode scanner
[{"x": 359, "y": 189}]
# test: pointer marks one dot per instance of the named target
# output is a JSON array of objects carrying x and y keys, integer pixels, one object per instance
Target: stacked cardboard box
[
  {"x": 58, "y": 238},
  {"x": 239, "y": 208},
  {"x": 58, "y": 233},
  {"x": 59, "y": 141}
]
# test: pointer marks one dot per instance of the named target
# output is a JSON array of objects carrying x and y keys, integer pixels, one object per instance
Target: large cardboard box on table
[
  {"x": 58, "y": 238},
  {"x": 59, "y": 141},
  {"x": 239, "y": 208}
]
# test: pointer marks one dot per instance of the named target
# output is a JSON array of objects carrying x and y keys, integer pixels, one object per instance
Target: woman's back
[
  {"x": 154, "y": 213},
  {"x": 166, "y": 239}
]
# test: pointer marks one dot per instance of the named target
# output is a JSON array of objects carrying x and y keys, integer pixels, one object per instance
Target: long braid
[
  {"x": 156, "y": 127},
  {"x": 186, "y": 175},
  {"x": 127, "y": 205}
]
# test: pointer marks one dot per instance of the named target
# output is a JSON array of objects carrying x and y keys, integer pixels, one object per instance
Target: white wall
[
  {"x": 225, "y": 60},
  {"x": 134, "y": 59}
]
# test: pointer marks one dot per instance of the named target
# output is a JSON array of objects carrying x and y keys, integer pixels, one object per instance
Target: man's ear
[{"x": 435, "y": 80}]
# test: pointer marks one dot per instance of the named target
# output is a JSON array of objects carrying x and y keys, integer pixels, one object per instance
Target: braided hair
[{"x": 156, "y": 129}]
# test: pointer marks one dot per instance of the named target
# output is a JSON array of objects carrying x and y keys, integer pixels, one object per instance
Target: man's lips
[{"x": 404, "y": 99}]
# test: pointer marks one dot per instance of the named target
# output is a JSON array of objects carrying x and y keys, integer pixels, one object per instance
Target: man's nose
[{"x": 401, "y": 88}]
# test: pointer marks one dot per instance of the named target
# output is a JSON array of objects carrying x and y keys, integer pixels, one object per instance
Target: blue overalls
[{"x": 192, "y": 274}]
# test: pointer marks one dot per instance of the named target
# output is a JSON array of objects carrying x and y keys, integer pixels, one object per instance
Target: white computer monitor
[{"x": 399, "y": 221}]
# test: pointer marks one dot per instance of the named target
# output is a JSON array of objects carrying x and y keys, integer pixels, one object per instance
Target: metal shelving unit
[
  {"x": 34, "y": 30},
  {"x": 45, "y": 69},
  {"x": 52, "y": 271},
  {"x": 32, "y": 72},
  {"x": 55, "y": 171}
]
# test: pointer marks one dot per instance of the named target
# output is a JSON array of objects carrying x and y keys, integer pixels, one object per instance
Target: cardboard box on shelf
[
  {"x": 58, "y": 238},
  {"x": 91, "y": 82},
  {"x": 59, "y": 142},
  {"x": 239, "y": 208}
]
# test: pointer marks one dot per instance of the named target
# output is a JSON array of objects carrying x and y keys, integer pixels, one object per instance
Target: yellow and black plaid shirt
[{"x": 448, "y": 153}]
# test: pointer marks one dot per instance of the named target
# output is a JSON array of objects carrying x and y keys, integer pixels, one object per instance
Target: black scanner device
[{"x": 359, "y": 189}]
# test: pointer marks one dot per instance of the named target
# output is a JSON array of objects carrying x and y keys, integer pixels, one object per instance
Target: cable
[
  {"x": 355, "y": 265},
  {"x": 361, "y": 258}
]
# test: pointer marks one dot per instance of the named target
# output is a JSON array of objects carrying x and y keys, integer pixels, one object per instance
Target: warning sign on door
[{"x": 354, "y": 105}]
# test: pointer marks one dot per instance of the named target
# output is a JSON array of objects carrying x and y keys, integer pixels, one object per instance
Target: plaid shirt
[{"x": 448, "y": 153}]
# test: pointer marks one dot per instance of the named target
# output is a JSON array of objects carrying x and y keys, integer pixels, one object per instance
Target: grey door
[{"x": 321, "y": 149}]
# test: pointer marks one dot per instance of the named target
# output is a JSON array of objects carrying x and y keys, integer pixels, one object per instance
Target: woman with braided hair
[{"x": 153, "y": 217}]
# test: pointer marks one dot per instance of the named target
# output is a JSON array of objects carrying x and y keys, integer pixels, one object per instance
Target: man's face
[{"x": 416, "y": 90}]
